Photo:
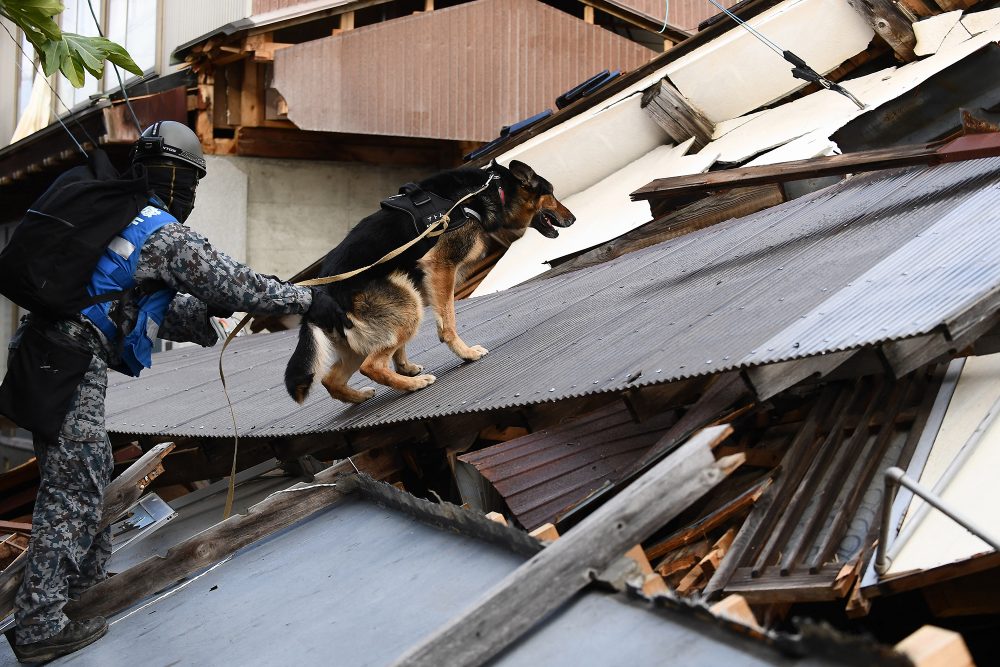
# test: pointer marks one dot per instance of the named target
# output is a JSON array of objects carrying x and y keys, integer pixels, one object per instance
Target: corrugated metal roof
[
  {"x": 372, "y": 583},
  {"x": 541, "y": 474},
  {"x": 493, "y": 63},
  {"x": 794, "y": 278}
]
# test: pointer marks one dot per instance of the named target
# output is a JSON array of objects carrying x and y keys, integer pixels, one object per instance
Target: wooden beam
[
  {"x": 554, "y": 575},
  {"x": 118, "y": 497},
  {"x": 890, "y": 24},
  {"x": 772, "y": 379},
  {"x": 678, "y": 117},
  {"x": 252, "y": 94},
  {"x": 963, "y": 148},
  {"x": 588, "y": 14},
  {"x": 223, "y": 539}
]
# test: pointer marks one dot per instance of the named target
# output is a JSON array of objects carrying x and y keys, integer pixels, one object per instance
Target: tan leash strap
[{"x": 431, "y": 231}]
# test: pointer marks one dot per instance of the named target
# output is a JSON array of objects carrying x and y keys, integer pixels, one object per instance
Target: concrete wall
[{"x": 297, "y": 210}]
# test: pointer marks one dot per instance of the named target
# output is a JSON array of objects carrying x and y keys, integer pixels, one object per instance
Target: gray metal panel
[
  {"x": 359, "y": 584},
  {"x": 711, "y": 301}
]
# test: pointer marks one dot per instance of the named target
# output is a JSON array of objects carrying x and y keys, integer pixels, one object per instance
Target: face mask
[{"x": 175, "y": 185}]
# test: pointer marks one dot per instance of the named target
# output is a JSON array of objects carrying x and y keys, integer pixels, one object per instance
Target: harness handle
[{"x": 431, "y": 231}]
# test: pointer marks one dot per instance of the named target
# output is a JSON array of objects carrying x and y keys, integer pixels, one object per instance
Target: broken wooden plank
[
  {"x": 274, "y": 513},
  {"x": 676, "y": 115},
  {"x": 963, "y": 148},
  {"x": 724, "y": 391},
  {"x": 736, "y": 608},
  {"x": 545, "y": 533},
  {"x": 707, "y": 524},
  {"x": 931, "y": 646},
  {"x": 121, "y": 493},
  {"x": 701, "y": 573},
  {"x": 554, "y": 575}
]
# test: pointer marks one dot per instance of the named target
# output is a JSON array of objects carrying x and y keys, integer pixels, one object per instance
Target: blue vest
[{"x": 115, "y": 272}]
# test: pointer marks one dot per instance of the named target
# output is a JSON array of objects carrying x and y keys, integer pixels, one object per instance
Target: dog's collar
[{"x": 495, "y": 176}]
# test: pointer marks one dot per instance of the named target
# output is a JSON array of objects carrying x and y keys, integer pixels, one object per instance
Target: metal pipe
[{"x": 894, "y": 476}]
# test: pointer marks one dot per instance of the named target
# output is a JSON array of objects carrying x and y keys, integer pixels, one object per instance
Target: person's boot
[{"x": 73, "y": 637}]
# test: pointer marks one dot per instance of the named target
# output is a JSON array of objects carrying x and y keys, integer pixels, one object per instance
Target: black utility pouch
[{"x": 41, "y": 379}]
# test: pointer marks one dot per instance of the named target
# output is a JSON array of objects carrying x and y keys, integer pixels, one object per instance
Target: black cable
[
  {"x": 118, "y": 74},
  {"x": 800, "y": 69}
]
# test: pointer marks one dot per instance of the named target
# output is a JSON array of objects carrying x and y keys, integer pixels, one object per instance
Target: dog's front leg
[{"x": 441, "y": 277}]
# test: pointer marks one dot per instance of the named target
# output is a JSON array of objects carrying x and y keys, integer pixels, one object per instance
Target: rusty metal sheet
[
  {"x": 490, "y": 63},
  {"x": 542, "y": 474}
]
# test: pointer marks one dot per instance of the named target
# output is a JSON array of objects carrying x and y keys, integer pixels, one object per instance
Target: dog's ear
[{"x": 525, "y": 174}]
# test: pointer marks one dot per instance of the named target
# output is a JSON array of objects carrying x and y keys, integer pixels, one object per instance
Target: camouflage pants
[{"x": 67, "y": 552}]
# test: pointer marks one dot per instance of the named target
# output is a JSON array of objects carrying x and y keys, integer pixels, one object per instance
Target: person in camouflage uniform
[{"x": 68, "y": 552}]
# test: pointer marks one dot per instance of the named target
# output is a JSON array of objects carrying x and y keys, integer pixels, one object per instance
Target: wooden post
[
  {"x": 555, "y": 574},
  {"x": 118, "y": 497},
  {"x": 890, "y": 24},
  {"x": 680, "y": 119},
  {"x": 588, "y": 14}
]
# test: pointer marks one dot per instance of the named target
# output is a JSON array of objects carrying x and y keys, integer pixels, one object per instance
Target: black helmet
[{"x": 170, "y": 139}]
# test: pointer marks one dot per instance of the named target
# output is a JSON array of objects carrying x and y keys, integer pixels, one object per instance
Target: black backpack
[{"x": 52, "y": 252}]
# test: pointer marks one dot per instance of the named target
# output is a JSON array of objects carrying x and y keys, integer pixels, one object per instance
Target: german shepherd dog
[{"x": 385, "y": 304}]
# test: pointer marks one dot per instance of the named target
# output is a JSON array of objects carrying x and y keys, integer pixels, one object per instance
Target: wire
[
  {"x": 774, "y": 47},
  {"x": 118, "y": 74},
  {"x": 666, "y": 15},
  {"x": 47, "y": 83},
  {"x": 800, "y": 68}
]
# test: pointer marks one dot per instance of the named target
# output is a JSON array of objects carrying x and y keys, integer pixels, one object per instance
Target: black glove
[
  {"x": 220, "y": 311},
  {"x": 326, "y": 313}
]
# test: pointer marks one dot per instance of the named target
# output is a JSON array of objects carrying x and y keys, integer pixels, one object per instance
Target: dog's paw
[
  {"x": 475, "y": 352},
  {"x": 410, "y": 370},
  {"x": 367, "y": 392},
  {"x": 422, "y": 381}
]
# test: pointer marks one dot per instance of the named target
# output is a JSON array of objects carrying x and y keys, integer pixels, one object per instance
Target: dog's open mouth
[{"x": 546, "y": 222}]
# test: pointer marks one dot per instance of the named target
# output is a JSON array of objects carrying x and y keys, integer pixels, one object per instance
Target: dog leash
[{"x": 431, "y": 231}]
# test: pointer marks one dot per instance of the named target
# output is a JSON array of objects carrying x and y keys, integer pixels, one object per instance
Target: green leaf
[
  {"x": 34, "y": 17},
  {"x": 91, "y": 52}
]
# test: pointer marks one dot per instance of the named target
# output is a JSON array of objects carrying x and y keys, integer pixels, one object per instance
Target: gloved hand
[
  {"x": 326, "y": 313},
  {"x": 220, "y": 311}
]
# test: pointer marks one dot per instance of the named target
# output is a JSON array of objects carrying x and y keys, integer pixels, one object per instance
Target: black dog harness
[{"x": 425, "y": 208}]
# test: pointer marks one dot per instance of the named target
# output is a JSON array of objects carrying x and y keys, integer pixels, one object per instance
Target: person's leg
[{"x": 66, "y": 544}]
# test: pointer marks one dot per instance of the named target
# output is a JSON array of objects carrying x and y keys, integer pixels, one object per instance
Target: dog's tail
[{"x": 309, "y": 358}]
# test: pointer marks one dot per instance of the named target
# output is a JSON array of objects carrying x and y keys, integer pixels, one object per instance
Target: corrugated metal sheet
[
  {"x": 404, "y": 581},
  {"x": 543, "y": 473},
  {"x": 490, "y": 63},
  {"x": 685, "y": 14},
  {"x": 183, "y": 20},
  {"x": 711, "y": 301}
]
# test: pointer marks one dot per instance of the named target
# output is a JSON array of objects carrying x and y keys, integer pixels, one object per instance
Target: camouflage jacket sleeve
[{"x": 187, "y": 262}]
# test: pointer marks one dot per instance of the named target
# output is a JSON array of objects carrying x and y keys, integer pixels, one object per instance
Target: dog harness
[{"x": 426, "y": 208}]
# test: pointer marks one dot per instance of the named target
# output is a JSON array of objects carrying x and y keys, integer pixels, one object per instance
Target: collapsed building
[{"x": 717, "y": 422}]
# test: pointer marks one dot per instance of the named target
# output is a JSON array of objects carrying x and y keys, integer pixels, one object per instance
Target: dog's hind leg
[
  {"x": 336, "y": 378},
  {"x": 376, "y": 367},
  {"x": 403, "y": 364}
]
